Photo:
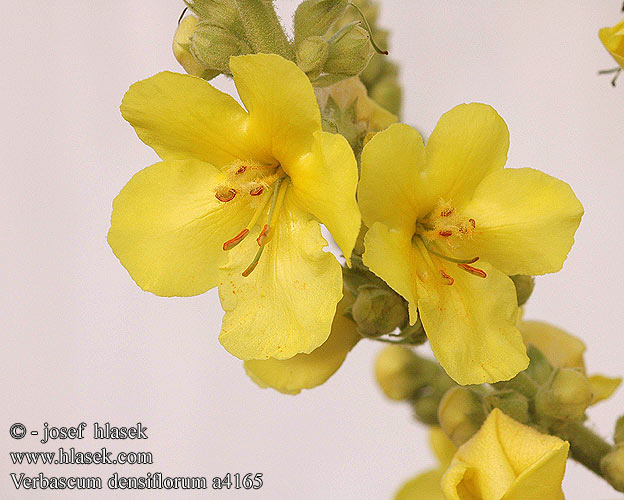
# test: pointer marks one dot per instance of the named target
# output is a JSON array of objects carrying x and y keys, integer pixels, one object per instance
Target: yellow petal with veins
[
  {"x": 324, "y": 183},
  {"x": 393, "y": 189},
  {"x": 286, "y": 305},
  {"x": 425, "y": 486},
  {"x": 305, "y": 371},
  {"x": 603, "y": 387},
  {"x": 469, "y": 142},
  {"x": 525, "y": 221},
  {"x": 184, "y": 117},
  {"x": 168, "y": 229},
  {"x": 283, "y": 112},
  {"x": 561, "y": 349},
  {"x": 471, "y": 323}
]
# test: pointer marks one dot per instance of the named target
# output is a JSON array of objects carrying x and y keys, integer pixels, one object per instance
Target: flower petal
[
  {"x": 613, "y": 40},
  {"x": 603, "y": 387},
  {"x": 184, "y": 117},
  {"x": 283, "y": 112},
  {"x": 469, "y": 142},
  {"x": 425, "y": 486},
  {"x": 471, "y": 324},
  {"x": 305, "y": 371},
  {"x": 506, "y": 460},
  {"x": 441, "y": 445},
  {"x": 286, "y": 305},
  {"x": 392, "y": 188},
  {"x": 324, "y": 184},
  {"x": 167, "y": 227},
  {"x": 525, "y": 221},
  {"x": 390, "y": 256}
]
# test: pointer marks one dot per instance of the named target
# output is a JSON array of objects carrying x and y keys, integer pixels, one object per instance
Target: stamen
[
  {"x": 225, "y": 197},
  {"x": 229, "y": 244},
  {"x": 278, "y": 196},
  {"x": 449, "y": 279},
  {"x": 445, "y": 234},
  {"x": 447, "y": 211},
  {"x": 446, "y": 257},
  {"x": 473, "y": 222},
  {"x": 473, "y": 270},
  {"x": 257, "y": 191},
  {"x": 241, "y": 170},
  {"x": 262, "y": 237}
]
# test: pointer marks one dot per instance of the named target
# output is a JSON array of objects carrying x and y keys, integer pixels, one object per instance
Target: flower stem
[{"x": 586, "y": 447}]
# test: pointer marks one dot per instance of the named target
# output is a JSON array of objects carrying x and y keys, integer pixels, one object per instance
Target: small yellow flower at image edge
[
  {"x": 448, "y": 225},
  {"x": 613, "y": 40},
  {"x": 237, "y": 202}
]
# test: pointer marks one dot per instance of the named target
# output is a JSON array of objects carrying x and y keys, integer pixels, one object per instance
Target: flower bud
[
  {"x": 350, "y": 50},
  {"x": 539, "y": 368},
  {"x": 426, "y": 409},
  {"x": 378, "y": 311},
  {"x": 311, "y": 55},
  {"x": 213, "y": 45},
  {"x": 222, "y": 13},
  {"x": 612, "y": 468},
  {"x": 524, "y": 287},
  {"x": 316, "y": 17},
  {"x": 511, "y": 403},
  {"x": 566, "y": 396},
  {"x": 460, "y": 414},
  {"x": 397, "y": 372},
  {"x": 181, "y": 48}
]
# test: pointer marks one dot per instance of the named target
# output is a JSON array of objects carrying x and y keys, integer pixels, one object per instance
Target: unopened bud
[
  {"x": 539, "y": 368},
  {"x": 213, "y": 45},
  {"x": 426, "y": 409},
  {"x": 397, "y": 372},
  {"x": 612, "y": 468},
  {"x": 311, "y": 56},
  {"x": 511, "y": 403},
  {"x": 460, "y": 414},
  {"x": 566, "y": 396},
  {"x": 182, "y": 46},
  {"x": 316, "y": 17},
  {"x": 350, "y": 50},
  {"x": 378, "y": 311},
  {"x": 524, "y": 287},
  {"x": 222, "y": 13},
  {"x": 618, "y": 435}
]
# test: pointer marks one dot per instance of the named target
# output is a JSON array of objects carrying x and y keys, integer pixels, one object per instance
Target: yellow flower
[
  {"x": 506, "y": 460},
  {"x": 305, "y": 371},
  {"x": 613, "y": 40},
  {"x": 563, "y": 350},
  {"x": 434, "y": 212},
  {"x": 259, "y": 180},
  {"x": 426, "y": 486}
]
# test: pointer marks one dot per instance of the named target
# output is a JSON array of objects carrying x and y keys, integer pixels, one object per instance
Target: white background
[{"x": 82, "y": 343}]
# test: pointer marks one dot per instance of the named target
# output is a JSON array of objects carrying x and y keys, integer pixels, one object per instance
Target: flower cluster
[{"x": 439, "y": 241}]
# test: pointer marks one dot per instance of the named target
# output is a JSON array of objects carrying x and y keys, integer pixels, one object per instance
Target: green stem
[
  {"x": 521, "y": 383},
  {"x": 586, "y": 447}
]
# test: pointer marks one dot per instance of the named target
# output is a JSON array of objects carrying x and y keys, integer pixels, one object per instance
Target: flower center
[
  {"x": 264, "y": 185},
  {"x": 441, "y": 232}
]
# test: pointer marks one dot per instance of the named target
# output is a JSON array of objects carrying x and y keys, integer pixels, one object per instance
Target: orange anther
[
  {"x": 263, "y": 236},
  {"x": 473, "y": 222},
  {"x": 446, "y": 234},
  {"x": 241, "y": 170},
  {"x": 229, "y": 196},
  {"x": 473, "y": 270},
  {"x": 251, "y": 267},
  {"x": 229, "y": 244},
  {"x": 446, "y": 212},
  {"x": 449, "y": 279},
  {"x": 257, "y": 191}
]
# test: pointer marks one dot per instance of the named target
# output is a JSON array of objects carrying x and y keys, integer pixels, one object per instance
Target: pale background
[{"x": 83, "y": 343}]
